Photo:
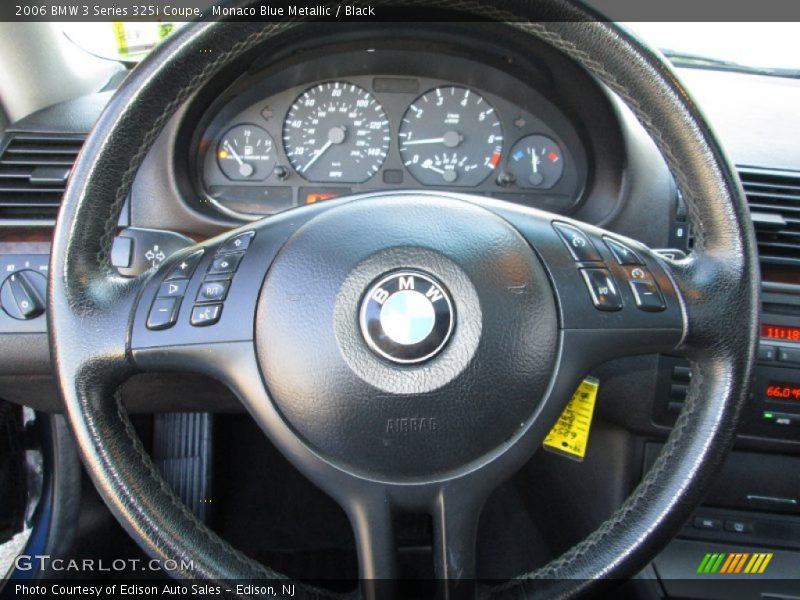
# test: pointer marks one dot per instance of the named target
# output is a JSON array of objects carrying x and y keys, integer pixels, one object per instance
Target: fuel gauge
[
  {"x": 246, "y": 153},
  {"x": 536, "y": 161}
]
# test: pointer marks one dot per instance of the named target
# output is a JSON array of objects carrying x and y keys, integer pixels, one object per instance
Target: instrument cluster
[{"x": 267, "y": 150}]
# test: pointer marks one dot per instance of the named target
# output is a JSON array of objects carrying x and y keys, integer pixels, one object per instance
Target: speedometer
[
  {"x": 450, "y": 136},
  {"x": 336, "y": 132}
]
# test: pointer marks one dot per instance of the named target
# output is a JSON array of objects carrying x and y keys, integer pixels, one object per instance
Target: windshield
[
  {"x": 759, "y": 46},
  {"x": 128, "y": 41},
  {"x": 765, "y": 47}
]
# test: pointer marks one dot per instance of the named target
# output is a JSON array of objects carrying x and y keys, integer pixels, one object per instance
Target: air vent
[
  {"x": 774, "y": 199},
  {"x": 33, "y": 174}
]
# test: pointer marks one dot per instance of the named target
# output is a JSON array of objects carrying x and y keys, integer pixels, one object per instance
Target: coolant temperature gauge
[
  {"x": 246, "y": 152},
  {"x": 536, "y": 161}
]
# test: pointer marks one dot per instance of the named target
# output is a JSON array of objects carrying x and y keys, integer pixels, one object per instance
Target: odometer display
[
  {"x": 336, "y": 132},
  {"x": 780, "y": 332}
]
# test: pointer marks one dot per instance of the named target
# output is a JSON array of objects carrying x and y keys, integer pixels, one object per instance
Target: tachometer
[
  {"x": 450, "y": 136},
  {"x": 336, "y": 132},
  {"x": 246, "y": 152}
]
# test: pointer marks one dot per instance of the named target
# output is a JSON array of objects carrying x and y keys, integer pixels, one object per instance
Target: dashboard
[{"x": 381, "y": 119}]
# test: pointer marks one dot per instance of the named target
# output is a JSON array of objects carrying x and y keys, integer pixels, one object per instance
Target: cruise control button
[
  {"x": 602, "y": 289},
  {"x": 237, "y": 243},
  {"x": 227, "y": 263},
  {"x": 213, "y": 290},
  {"x": 163, "y": 313},
  {"x": 205, "y": 314},
  {"x": 648, "y": 296},
  {"x": 173, "y": 289},
  {"x": 623, "y": 254},
  {"x": 640, "y": 273},
  {"x": 184, "y": 268},
  {"x": 579, "y": 245}
]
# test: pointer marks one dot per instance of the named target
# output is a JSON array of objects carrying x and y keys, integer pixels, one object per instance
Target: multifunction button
[
  {"x": 238, "y": 243},
  {"x": 226, "y": 263},
  {"x": 210, "y": 294},
  {"x": 645, "y": 290},
  {"x": 600, "y": 282},
  {"x": 214, "y": 288},
  {"x": 602, "y": 289},
  {"x": 164, "y": 310},
  {"x": 173, "y": 289},
  {"x": 212, "y": 291},
  {"x": 578, "y": 243},
  {"x": 623, "y": 254},
  {"x": 163, "y": 313},
  {"x": 185, "y": 268},
  {"x": 647, "y": 296},
  {"x": 205, "y": 314}
]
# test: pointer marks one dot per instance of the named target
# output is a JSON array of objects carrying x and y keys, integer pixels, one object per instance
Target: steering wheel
[{"x": 407, "y": 350}]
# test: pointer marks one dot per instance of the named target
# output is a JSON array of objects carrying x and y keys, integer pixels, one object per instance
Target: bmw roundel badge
[{"x": 407, "y": 316}]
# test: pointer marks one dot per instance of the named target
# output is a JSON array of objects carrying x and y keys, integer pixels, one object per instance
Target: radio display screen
[
  {"x": 780, "y": 332},
  {"x": 780, "y": 390}
]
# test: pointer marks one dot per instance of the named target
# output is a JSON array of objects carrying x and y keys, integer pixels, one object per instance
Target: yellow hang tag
[{"x": 570, "y": 435}]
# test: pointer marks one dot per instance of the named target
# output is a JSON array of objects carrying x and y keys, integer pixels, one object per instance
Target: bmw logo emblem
[{"x": 407, "y": 317}]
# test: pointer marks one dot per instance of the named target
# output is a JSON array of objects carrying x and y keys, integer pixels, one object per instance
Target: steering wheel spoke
[
  {"x": 456, "y": 513},
  {"x": 370, "y": 514},
  {"x": 197, "y": 297},
  {"x": 196, "y": 312},
  {"x": 454, "y": 508}
]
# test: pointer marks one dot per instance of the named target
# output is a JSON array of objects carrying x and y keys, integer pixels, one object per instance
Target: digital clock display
[
  {"x": 780, "y": 332},
  {"x": 779, "y": 390}
]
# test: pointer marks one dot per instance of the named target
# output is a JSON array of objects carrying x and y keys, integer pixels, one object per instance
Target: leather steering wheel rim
[{"x": 90, "y": 306}]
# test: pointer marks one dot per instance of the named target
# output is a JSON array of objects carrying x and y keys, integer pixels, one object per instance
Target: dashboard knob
[{"x": 23, "y": 294}]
